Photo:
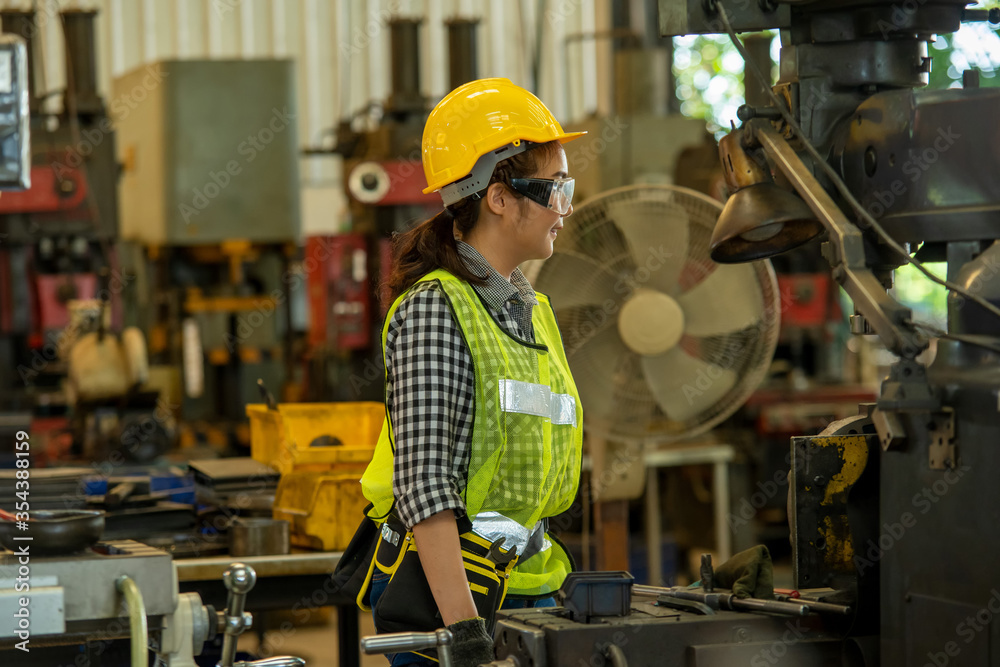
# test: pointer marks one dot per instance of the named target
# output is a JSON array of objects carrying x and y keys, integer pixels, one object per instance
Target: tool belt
[{"x": 408, "y": 605}]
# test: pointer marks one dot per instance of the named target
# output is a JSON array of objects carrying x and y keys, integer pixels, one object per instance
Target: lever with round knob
[{"x": 239, "y": 580}]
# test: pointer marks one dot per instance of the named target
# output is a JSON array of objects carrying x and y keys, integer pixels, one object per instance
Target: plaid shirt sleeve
[{"x": 430, "y": 393}]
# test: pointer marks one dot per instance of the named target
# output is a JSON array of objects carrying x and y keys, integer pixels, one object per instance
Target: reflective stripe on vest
[
  {"x": 493, "y": 525},
  {"x": 537, "y": 399}
]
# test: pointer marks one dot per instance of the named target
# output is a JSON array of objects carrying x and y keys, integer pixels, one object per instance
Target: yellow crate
[
  {"x": 281, "y": 438},
  {"x": 323, "y": 509}
]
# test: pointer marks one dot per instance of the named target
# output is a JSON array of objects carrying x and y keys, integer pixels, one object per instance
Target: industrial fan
[{"x": 663, "y": 342}]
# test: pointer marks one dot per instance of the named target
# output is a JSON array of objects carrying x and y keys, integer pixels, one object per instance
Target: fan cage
[{"x": 592, "y": 236}]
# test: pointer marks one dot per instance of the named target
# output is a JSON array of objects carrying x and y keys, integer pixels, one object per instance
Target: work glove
[
  {"x": 471, "y": 645},
  {"x": 749, "y": 574}
]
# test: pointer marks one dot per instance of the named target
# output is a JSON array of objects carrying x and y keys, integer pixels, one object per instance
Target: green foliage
[
  {"x": 928, "y": 300},
  {"x": 973, "y": 46},
  {"x": 708, "y": 72}
]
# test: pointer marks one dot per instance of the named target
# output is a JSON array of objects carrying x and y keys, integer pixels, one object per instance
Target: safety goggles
[{"x": 552, "y": 193}]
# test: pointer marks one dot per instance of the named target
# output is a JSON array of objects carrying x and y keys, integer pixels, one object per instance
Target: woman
[{"x": 484, "y": 423}]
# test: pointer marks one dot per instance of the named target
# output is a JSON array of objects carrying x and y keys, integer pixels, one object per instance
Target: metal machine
[
  {"x": 57, "y": 232},
  {"x": 894, "y": 511},
  {"x": 210, "y": 219},
  {"x": 380, "y": 146},
  {"x": 76, "y": 600},
  {"x": 59, "y": 263}
]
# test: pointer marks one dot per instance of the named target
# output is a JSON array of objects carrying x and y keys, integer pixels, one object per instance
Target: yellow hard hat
[{"x": 488, "y": 119}]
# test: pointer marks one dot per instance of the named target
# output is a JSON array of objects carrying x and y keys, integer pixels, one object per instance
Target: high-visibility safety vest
[{"x": 527, "y": 435}]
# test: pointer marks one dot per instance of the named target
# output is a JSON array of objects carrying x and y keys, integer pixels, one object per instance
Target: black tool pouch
[
  {"x": 352, "y": 576},
  {"x": 407, "y": 605}
]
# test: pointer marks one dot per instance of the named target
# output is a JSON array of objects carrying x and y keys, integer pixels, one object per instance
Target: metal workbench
[{"x": 296, "y": 581}]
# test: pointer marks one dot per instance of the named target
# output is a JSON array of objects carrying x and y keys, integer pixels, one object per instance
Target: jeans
[{"x": 381, "y": 580}]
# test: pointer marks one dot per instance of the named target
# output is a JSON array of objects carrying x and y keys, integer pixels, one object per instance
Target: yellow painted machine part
[{"x": 853, "y": 451}]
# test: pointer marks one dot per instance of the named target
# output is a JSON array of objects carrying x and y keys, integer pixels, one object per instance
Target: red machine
[
  {"x": 807, "y": 300},
  {"x": 339, "y": 295}
]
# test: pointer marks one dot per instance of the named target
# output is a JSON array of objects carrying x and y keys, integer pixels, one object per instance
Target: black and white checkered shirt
[{"x": 430, "y": 387}]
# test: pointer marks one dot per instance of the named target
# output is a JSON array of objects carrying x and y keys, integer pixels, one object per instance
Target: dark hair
[{"x": 431, "y": 244}]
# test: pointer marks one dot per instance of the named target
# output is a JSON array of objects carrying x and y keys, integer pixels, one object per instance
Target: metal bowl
[{"x": 54, "y": 532}]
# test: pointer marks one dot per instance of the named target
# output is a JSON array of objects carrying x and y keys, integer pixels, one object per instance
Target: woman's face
[{"x": 538, "y": 225}]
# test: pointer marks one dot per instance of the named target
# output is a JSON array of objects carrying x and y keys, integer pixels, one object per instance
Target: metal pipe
[
  {"x": 759, "y": 48},
  {"x": 405, "y": 53},
  {"x": 818, "y": 607},
  {"x": 81, "y": 59},
  {"x": 397, "y": 642},
  {"x": 771, "y": 606},
  {"x": 617, "y": 656},
  {"x": 654, "y": 532},
  {"x": 725, "y": 601},
  {"x": 276, "y": 661},
  {"x": 136, "y": 619},
  {"x": 463, "y": 51}
]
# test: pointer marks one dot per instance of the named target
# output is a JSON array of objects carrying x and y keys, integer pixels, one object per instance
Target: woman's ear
[{"x": 497, "y": 198}]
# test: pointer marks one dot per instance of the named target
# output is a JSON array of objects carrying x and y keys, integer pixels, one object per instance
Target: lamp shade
[{"x": 761, "y": 221}]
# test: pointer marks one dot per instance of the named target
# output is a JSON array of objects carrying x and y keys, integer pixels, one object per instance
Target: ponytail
[{"x": 431, "y": 245}]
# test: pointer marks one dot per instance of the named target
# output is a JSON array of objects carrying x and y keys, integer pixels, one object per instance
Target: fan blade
[
  {"x": 684, "y": 386},
  {"x": 727, "y": 300},
  {"x": 594, "y": 365},
  {"x": 575, "y": 280},
  {"x": 656, "y": 229}
]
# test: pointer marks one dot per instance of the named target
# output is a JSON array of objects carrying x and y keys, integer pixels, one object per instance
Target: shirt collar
[{"x": 498, "y": 290}]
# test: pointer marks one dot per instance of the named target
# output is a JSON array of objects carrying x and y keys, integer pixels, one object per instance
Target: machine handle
[
  {"x": 239, "y": 579},
  {"x": 398, "y": 642},
  {"x": 276, "y": 661}
]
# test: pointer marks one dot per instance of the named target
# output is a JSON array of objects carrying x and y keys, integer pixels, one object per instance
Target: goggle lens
[{"x": 555, "y": 194}]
